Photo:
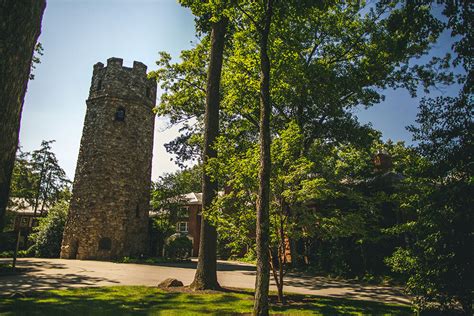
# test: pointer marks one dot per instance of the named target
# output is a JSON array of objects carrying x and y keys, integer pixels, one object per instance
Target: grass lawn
[{"x": 141, "y": 300}]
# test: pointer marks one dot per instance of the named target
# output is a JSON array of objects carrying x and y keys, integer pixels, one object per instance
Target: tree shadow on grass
[
  {"x": 337, "y": 306},
  {"x": 119, "y": 301},
  {"x": 26, "y": 283}
]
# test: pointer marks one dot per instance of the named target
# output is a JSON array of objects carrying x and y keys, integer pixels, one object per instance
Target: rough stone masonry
[{"x": 108, "y": 215}]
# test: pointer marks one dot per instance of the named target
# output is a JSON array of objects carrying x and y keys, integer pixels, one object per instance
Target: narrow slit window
[
  {"x": 147, "y": 92},
  {"x": 120, "y": 114},
  {"x": 99, "y": 85},
  {"x": 137, "y": 211},
  {"x": 105, "y": 243}
]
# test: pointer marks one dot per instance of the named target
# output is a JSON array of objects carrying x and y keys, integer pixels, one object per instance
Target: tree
[
  {"x": 19, "y": 30},
  {"x": 439, "y": 264},
  {"x": 23, "y": 183},
  {"x": 330, "y": 201},
  {"x": 48, "y": 235},
  {"x": 38, "y": 180},
  {"x": 263, "y": 201},
  {"x": 168, "y": 202},
  {"x": 327, "y": 58},
  {"x": 210, "y": 13},
  {"x": 206, "y": 272},
  {"x": 50, "y": 179}
]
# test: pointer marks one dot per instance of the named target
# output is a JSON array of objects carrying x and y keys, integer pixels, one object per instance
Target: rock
[{"x": 170, "y": 283}]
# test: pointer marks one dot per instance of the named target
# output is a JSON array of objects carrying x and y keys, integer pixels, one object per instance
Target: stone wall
[{"x": 108, "y": 216}]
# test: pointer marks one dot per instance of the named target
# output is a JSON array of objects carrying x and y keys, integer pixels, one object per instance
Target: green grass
[{"x": 140, "y": 300}]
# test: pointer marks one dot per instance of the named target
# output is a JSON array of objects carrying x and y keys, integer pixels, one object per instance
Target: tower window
[
  {"x": 99, "y": 85},
  {"x": 120, "y": 114},
  {"x": 147, "y": 92},
  {"x": 105, "y": 243},
  {"x": 137, "y": 211}
]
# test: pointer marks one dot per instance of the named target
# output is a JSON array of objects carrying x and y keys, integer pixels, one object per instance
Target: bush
[
  {"x": 20, "y": 254},
  {"x": 7, "y": 241},
  {"x": 179, "y": 247},
  {"x": 48, "y": 235}
]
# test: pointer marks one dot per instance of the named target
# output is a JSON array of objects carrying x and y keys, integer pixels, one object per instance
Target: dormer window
[{"x": 120, "y": 114}]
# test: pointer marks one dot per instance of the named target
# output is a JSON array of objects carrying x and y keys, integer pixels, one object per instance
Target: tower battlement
[{"x": 116, "y": 80}]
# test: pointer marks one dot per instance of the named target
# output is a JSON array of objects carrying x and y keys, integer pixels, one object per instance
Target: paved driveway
[{"x": 60, "y": 273}]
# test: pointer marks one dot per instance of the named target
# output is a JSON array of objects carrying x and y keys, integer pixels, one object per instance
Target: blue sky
[{"x": 76, "y": 34}]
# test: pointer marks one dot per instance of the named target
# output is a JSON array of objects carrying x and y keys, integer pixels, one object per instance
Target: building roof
[
  {"x": 21, "y": 206},
  {"x": 193, "y": 198}
]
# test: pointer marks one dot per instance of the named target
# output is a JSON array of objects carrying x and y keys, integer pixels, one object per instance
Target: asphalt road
[{"x": 59, "y": 273}]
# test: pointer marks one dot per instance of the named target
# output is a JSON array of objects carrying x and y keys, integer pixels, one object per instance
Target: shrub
[
  {"x": 20, "y": 254},
  {"x": 179, "y": 247},
  {"x": 48, "y": 235},
  {"x": 7, "y": 241}
]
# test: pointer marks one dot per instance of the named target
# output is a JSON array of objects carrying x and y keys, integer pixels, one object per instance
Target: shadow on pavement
[
  {"x": 33, "y": 279},
  {"x": 221, "y": 266},
  {"x": 35, "y": 265}
]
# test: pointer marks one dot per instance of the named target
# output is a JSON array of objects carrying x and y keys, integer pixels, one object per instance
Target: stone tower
[{"x": 108, "y": 215}]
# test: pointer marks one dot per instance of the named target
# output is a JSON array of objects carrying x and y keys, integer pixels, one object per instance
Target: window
[
  {"x": 120, "y": 114},
  {"x": 147, "y": 92},
  {"x": 99, "y": 85},
  {"x": 25, "y": 221},
  {"x": 137, "y": 211},
  {"x": 183, "y": 227},
  {"x": 105, "y": 243}
]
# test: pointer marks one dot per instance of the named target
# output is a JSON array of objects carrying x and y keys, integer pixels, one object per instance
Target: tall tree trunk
[
  {"x": 20, "y": 26},
  {"x": 263, "y": 203},
  {"x": 206, "y": 272},
  {"x": 40, "y": 182}
]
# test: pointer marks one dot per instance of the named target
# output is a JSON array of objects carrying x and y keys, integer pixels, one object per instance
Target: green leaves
[
  {"x": 48, "y": 235},
  {"x": 37, "y": 179}
]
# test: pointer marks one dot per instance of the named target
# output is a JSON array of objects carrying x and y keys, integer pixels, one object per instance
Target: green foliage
[
  {"x": 327, "y": 58},
  {"x": 440, "y": 261},
  {"x": 179, "y": 247},
  {"x": 169, "y": 204},
  {"x": 20, "y": 254},
  {"x": 48, "y": 235},
  {"x": 38, "y": 51},
  {"x": 38, "y": 181}
]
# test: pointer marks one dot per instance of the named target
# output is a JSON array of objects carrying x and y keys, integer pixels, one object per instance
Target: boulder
[{"x": 170, "y": 283}]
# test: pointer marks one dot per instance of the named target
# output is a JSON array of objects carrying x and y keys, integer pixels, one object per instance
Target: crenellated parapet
[{"x": 116, "y": 80}]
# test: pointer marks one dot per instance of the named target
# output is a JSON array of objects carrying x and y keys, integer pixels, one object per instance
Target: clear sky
[{"x": 76, "y": 34}]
